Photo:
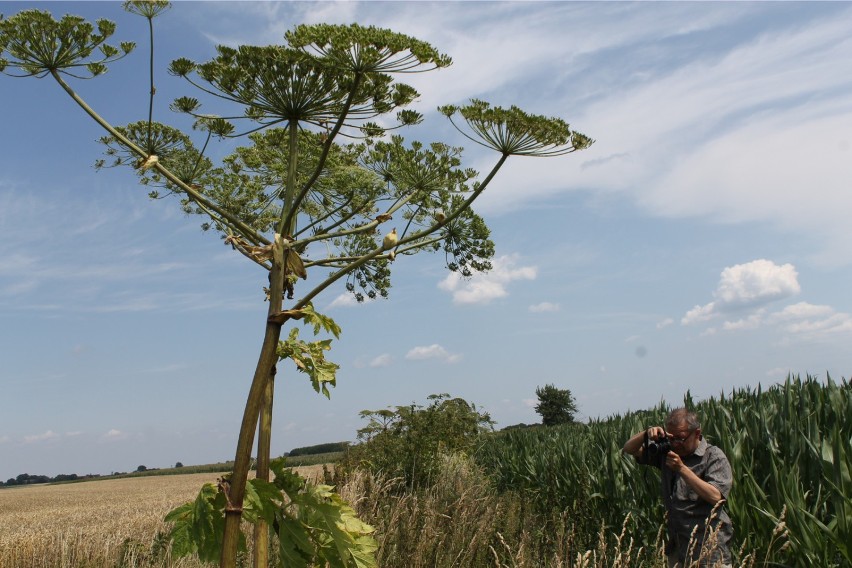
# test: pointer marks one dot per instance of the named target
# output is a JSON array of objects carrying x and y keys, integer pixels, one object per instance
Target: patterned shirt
[{"x": 687, "y": 511}]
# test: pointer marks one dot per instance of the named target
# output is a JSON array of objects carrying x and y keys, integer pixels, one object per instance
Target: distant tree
[
  {"x": 141, "y": 468},
  {"x": 178, "y": 464},
  {"x": 556, "y": 406},
  {"x": 319, "y": 449}
]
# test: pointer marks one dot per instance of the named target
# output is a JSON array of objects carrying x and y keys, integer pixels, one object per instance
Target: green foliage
[
  {"x": 318, "y": 449},
  {"x": 556, "y": 406},
  {"x": 314, "y": 459},
  {"x": 197, "y": 526},
  {"x": 313, "y": 524},
  {"x": 789, "y": 447},
  {"x": 37, "y": 44},
  {"x": 367, "y": 49},
  {"x": 408, "y": 441},
  {"x": 309, "y": 358},
  {"x": 514, "y": 132}
]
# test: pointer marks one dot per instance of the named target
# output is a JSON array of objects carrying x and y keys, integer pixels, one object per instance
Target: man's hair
[{"x": 680, "y": 416}]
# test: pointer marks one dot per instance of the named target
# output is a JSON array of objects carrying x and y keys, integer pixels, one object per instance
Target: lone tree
[
  {"x": 556, "y": 406},
  {"x": 313, "y": 191}
]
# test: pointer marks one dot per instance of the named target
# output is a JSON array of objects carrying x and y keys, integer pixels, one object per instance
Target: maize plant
[{"x": 789, "y": 447}]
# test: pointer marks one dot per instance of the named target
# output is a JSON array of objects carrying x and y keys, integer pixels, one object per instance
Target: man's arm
[
  {"x": 708, "y": 492},
  {"x": 633, "y": 446}
]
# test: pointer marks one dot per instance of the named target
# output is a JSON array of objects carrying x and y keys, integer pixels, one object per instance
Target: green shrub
[{"x": 406, "y": 442}]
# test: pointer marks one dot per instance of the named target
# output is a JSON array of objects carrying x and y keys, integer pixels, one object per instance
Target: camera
[{"x": 659, "y": 448}]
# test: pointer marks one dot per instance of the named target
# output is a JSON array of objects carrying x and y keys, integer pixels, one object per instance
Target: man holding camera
[{"x": 696, "y": 480}]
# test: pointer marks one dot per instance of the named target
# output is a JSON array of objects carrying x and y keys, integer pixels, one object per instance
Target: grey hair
[{"x": 680, "y": 416}]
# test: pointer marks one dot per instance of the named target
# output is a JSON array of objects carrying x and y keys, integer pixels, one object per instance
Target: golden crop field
[{"x": 93, "y": 524}]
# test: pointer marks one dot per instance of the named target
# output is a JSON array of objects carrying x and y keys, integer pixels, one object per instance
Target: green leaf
[
  {"x": 310, "y": 359},
  {"x": 262, "y": 500},
  {"x": 320, "y": 321},
  {"x": 294, "y": 543}
]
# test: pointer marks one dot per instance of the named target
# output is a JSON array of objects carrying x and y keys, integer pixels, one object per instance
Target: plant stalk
[
  {"x": 242, "y": 460},
  {"x": 264, "y": 445}
]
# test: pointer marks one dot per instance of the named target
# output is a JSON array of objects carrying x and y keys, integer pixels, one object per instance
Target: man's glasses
[{"x": 677, "y": 440}]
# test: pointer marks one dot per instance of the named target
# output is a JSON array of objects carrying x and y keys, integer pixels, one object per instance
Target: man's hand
[
  {"x": 656, "y": 432},
  {"x": 673, "y": 462},
  {"x": 633, "y": 446},
  {"x": 705, "y": 491}
]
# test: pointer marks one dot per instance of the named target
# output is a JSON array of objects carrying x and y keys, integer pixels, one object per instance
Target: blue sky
[{"x": 701, "y": 244}]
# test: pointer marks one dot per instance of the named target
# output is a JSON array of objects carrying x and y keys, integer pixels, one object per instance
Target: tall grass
[
  {"x": 789, "y": 448},
  {"x": 462, "y": 520}
]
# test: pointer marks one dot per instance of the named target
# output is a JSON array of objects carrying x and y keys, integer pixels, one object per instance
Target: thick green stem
[
  {"x": 242, "y": 460},
  {"x": 291, "y": 215},
  {"x": 287, "y": 224},
  {"x": 264, "y": 449}
]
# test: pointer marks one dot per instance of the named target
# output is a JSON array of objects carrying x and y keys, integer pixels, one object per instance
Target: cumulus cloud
[
  {"x": 802, "y": 320},
  {"x": 483, "y": 287},
  {"x": 747, "y": 286},
  {"x": 544, "y": 307},
  {"x": 49, "y": 435},
  {"x": 530, "y": 402},
  {"x": 433, "y": 351},
  {"x": 665, "y": 323},
  {"x": 382, "y": 360}
]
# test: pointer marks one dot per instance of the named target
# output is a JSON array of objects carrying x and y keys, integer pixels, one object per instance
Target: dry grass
[{"x": 112, "y": 522}]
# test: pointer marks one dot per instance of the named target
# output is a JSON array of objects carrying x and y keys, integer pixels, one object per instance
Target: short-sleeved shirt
[{"x": 686, "y": 510}]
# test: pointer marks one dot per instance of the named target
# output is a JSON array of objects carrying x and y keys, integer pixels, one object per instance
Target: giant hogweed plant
[{"x": 322, "y": 175}]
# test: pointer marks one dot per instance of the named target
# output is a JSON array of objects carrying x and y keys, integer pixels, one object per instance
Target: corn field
[{"x": 790, "y": 448}]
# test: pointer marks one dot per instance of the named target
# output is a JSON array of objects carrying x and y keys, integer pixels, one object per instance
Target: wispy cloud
[
  {"x": 382, "y": 360},
  {"x": 483, "y": 287},
  {"x": 544, "y": 307},
  {"x": 433, "y": 351},
  {"x": 35, "y": 438},
  {"x": 114, "y": 435}
]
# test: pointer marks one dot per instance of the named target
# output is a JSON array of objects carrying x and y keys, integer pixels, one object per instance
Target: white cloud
[
  {"x": 382, "y": 360},
  {"x": 825, "y": 325},
  {"x": 544, "y": 307},
  {"x": 753, "y": 321},
  {"x": 802, "y": 320},
  {"x": 114, "y": 435},
  {"x": 745, "y": 286},
  {"x": 347, "y": 300},
  {"x": 665, "y": 323},
  {"x": 4, "y": 439},
  {"x": 433, "y": 351},
  {"x": 49, "y": 435},
  {"x": 530, "y": 402},
  {"x": 483, "y": 287},
  {"x": 803, "y": 310}
]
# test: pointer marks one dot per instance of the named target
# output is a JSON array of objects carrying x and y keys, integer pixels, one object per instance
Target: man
[{"x": 696, "y": 480}]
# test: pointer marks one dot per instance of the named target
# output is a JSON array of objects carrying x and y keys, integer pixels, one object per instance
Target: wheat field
[{"x": 112, "y": 522}]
